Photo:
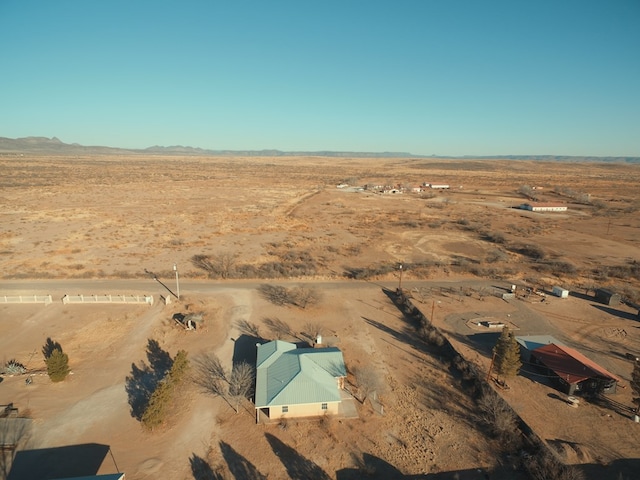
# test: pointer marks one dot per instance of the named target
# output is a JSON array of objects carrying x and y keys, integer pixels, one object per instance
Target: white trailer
[{"x": 560, "y": 292}]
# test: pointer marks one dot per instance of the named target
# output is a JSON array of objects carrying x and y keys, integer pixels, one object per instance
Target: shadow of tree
[
  {"x": 298, "y": 467},
  {"x": 239, "y": 466},
  {"x": 201, "y": 470},
  {"x": 144, "y": 378},
  {"x": 49, "y": 347},
  {"x": 369, "y": 466}
]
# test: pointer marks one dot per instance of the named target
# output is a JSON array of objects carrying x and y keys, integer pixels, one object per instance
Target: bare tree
[
  {"x": 278, "y": 328},
  {"x": 276, "y": 294},
  {"x": 248, "y": 328},
  {"x": 304, "y": 296},
  {"x": 312, "y": 330},
  {"x": 210, "y": 375},
  {"x": 369, "y": 381},
  {"x": 216, "y": 266},
  {"x": 241, "y": 383},
  {"x": 213, "y": 378}
]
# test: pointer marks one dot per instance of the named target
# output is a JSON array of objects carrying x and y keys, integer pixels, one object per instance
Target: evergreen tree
[
  {"x": 57, "y": 365},
  {"x": 635, "y": 385},
  {"x": 506, "y": 355}
]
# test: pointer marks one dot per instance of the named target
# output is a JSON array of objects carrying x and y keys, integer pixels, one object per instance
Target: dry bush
[
  {"x": 533, "y": 251},
  {"x": 496, "y": 255},
  {"x": 545, "y": 466},
  {"x": 494, "y": 412}
]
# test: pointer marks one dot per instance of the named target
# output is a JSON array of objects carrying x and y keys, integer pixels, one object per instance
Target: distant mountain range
[{"x": 53, "y": 146}]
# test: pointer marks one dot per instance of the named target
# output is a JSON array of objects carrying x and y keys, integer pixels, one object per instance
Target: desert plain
[{"x": 118, "y": 224}]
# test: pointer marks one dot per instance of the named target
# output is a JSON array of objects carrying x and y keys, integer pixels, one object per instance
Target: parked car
[{"x": 632, "y": 357}]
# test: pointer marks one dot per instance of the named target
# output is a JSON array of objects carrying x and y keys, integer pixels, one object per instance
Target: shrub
[
  {"x": 14, "y": 367},
  {"x": 162, "y": 396},
  {"x": 57, "y": 365}
]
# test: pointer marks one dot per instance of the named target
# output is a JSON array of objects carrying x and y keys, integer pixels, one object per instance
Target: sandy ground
[{"x": 94, "y": 220}]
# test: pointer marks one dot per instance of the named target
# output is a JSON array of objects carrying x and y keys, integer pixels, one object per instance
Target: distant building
[
  {"x": 544, "y": 207},
  {"x": 560, "y": 292},
  {"x": 607, "y": 297},
  {"x": 571, "y": 370},
  {"x": 436, "y": 186}
]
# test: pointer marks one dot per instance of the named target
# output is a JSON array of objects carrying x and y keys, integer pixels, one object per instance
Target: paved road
[{"x": 160, "y": 286}]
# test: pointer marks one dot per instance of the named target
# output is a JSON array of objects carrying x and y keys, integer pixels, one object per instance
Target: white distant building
[
  {"x": 544, "y": 207},
  {"x": 438, "y": 186},
  {"x": 560, "y": 292}
]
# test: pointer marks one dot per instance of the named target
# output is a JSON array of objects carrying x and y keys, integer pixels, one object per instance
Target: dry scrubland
[{"x": 283, "y": 219}]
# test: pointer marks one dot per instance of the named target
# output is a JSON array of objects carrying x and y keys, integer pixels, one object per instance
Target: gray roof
[
  {"x": 531, "y": 342},
  {"x": 286, "y": 375}
]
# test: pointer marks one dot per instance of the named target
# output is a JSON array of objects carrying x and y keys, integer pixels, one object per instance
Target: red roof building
[{"x": 575, "y": 371}]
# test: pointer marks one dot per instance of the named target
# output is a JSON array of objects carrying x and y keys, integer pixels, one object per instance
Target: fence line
[
  {"x": 139, "y": 299},
  {"x": 46, "y": 299}
]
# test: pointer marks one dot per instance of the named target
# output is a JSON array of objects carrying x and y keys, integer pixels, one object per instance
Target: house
[
  {"x": 573, "y": 372},
  {"x": 607, "y": 297},
  {"x": 544, "y": 207},
  {"x": 298, "y": 382}
]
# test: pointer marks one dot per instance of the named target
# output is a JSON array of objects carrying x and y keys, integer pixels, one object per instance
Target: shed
[
  {"x": 560, "y": 292},
  {"x": 607, "y": 297}
]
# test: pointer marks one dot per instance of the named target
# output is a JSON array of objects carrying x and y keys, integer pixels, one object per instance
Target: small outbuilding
[
  {"x": 607, "y": 297},
  {"x": 560, "y": 292}
]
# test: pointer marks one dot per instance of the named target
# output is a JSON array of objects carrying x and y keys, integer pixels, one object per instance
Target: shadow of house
[
  {"x": 298, "y": 467},
  {"x": 623, "y": 469},
  {"x": 244, "y": 349},
  {"x": 240, "y": 467},
  {"x": 144, "y": 379},
  {"x": 58, "y": 462},
  {"x": 15, "y": 433},
  {"x": 616, "y": 313}
]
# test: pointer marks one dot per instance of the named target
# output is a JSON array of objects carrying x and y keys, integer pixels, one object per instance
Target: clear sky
[{"x": 445, "y": 77}]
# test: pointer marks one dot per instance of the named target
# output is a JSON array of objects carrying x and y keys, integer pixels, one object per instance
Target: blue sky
[{"x": 446, "y": 77}]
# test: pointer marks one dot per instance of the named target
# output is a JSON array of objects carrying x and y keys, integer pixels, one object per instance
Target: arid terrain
[{"x": 106, "y": 224}]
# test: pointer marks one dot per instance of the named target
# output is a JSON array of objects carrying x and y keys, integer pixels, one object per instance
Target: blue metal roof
[{"x": 289, "y": 376}]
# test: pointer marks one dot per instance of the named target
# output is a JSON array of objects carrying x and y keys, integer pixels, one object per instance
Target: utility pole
[
  {"x": 175, "y": 269},
  {"x": 491, "y": 366}
]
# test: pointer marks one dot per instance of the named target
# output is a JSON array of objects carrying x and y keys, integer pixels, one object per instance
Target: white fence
[
  {"x": 139, "y": 299},
  {"x": 46, "y": 299}
]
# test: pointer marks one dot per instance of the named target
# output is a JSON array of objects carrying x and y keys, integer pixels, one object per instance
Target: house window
[
  {"x": 285, "y": 409},
  {"x": 324, "y": 406}
]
